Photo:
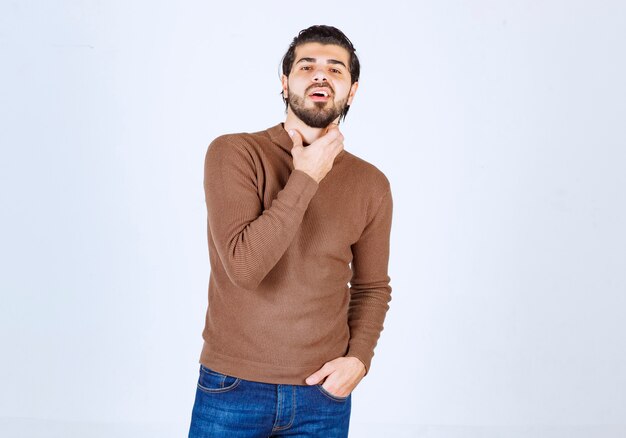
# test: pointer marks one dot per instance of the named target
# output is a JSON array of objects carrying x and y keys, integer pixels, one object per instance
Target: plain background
[{"x": 500, "y": 124}]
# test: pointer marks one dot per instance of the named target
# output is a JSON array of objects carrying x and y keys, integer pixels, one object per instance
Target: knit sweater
[{"x": 282, "y": 249}]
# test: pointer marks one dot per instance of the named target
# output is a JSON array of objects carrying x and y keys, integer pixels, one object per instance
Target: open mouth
[{"x": 320, "y": 96}]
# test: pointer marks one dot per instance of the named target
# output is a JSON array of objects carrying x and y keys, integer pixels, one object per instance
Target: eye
[
  {"x": 305, "y": 67},
  {"x": 335, "y": 70}
]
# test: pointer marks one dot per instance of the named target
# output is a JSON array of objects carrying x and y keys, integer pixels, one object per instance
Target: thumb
[{"x": 295, "y": 137}]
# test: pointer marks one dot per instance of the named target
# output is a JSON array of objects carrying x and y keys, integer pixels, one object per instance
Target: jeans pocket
[
  {"x": 212, "y": 381},
  {"x": 331, "y": 396}
]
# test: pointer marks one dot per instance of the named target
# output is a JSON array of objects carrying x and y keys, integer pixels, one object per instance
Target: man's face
[{"x": 319, "y": 68}]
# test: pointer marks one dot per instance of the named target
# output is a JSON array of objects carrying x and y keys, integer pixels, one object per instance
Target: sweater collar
[{"x": 279, "y": 135}]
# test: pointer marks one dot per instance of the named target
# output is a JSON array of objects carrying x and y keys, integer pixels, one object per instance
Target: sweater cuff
[
  {"x": 361, "y": 352},
  {"x": 300, "y": 188}
]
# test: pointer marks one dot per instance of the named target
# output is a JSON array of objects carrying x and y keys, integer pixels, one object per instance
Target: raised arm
[
  {"x": 369, "y": 286},
  {"x": 248, "y": 239}
]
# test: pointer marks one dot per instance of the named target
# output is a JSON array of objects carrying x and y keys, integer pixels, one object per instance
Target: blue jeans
[{"x": 227, "y": 406}]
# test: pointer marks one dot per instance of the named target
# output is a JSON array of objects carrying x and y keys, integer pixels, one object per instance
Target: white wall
[{"x": 499, "y": 124}]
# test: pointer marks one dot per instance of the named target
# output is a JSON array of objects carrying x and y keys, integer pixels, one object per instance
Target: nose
[{"x": 319, "y": 75}]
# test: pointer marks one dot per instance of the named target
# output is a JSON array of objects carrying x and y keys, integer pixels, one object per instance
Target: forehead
[{"x": 321, "y": 52}]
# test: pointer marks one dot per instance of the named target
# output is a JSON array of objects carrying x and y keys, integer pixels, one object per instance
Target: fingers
[
  {"x": 333, "y": 137},
  {"x": 336, "y": 137},
  {"x": 333, "y": 125},
  {"x": 333, "y": 134}
]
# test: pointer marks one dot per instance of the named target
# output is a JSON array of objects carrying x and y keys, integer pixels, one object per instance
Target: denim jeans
[{"x": 227, "y": 406}]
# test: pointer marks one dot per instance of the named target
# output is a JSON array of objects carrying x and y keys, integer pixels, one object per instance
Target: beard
[{"x": 321, "y": 115}]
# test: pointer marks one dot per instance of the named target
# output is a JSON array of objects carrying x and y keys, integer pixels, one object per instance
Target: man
[{"x": 292, "y": 217}]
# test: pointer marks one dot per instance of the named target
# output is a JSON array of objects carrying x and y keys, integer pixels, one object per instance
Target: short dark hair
[{"x": 324, "y": 35}]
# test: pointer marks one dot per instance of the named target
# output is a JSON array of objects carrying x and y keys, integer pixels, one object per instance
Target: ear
[
  {"x": 284, "y": 80},
  {"x": 352, "y": 92}
]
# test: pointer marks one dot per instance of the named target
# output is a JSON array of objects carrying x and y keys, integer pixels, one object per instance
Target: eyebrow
[{"x": 328, "y": 61}]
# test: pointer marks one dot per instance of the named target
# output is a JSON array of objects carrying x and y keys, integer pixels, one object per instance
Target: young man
[{"x": 292, "y": 217}]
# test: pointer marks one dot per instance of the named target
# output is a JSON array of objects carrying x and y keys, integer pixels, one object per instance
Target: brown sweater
[{"x": 282, "y": 249}]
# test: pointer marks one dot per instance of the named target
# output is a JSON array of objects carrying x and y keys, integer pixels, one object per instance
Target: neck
[{"x": 309, "y": 134}]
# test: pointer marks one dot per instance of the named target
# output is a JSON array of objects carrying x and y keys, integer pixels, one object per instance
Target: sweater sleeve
[
  {"x": 369, "y": 287},
  {"x": 248, "y": 239}
]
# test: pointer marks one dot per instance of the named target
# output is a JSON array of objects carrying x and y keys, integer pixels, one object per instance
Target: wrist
[{"x": 357, "y": 361}]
